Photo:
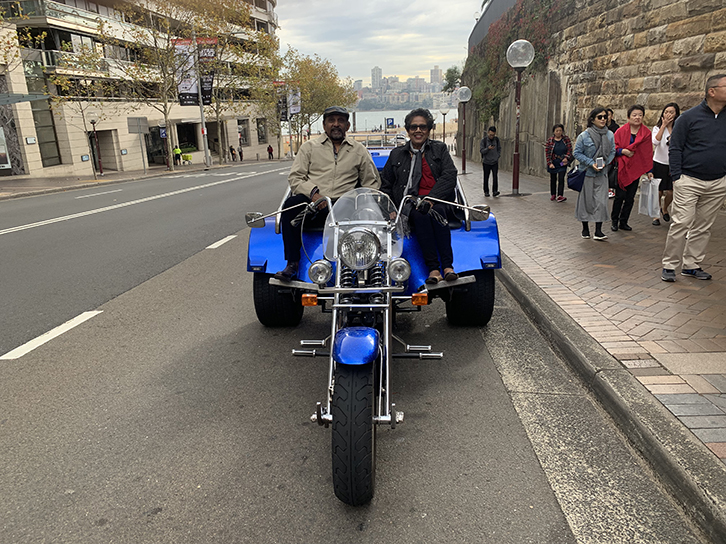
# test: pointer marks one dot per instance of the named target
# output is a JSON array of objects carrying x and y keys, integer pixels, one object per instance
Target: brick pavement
[{"x": 671, "y": 336}]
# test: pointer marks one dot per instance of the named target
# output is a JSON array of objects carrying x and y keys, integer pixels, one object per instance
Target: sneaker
[
  {"x": 668, "y": 275},
  {"x": 561, "y": 198},
  {"x": 611, "y": 193},
  {"x": 586, "y": 233},
  {"x": 625, "y": 226},
  {"x": 289, "y": 272},
  {"x": 656, "y": 222},
  {"x": 697, "y": 273},
  {"x": 553, "y": 197},
  {"x": 496, "y": 193},
  {"x": 486, "y": 195},
  {"x": 599, "y": 236}
]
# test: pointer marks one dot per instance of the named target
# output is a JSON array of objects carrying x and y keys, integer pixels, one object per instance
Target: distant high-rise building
[
  {"x": 376, "y": 76},
  {"x": 437, "y": 75},
  {"x": 358, "y": 85}
]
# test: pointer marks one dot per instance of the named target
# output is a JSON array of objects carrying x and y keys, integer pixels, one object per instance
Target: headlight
[
  {"x": 320, "y": 272},
  {"x": 399, "y": 270},
  {"x": 359, "y": 249}
]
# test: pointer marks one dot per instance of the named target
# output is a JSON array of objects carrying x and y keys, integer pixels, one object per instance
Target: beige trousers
[{"x": 695, "y": 206}]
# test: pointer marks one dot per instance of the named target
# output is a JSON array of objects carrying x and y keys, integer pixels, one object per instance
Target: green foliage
[
  {"x": 452, "y": 79},
  {"x": 487, "y": 71}
]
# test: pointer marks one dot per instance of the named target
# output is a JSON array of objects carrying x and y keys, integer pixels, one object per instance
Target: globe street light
[
  {"x": 520, "y": 54},
  {"x": 464, "y": 97},
  {"x": 443, "y": 112}
]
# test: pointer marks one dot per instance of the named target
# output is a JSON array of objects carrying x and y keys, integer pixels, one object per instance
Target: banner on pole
[
  {"x": 294, "y": 102},
  {"x": 189, "y": 83}
]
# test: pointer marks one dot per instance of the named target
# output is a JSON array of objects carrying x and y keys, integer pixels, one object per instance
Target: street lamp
[
  {"x": 520, "y": 54},
  {"x": 93, "y": 118},
  {"x": 464, "y": 97},
  {"x": 443, "y": 112}
]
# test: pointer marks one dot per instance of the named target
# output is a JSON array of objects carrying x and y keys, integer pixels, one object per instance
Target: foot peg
[{"x": 310, "y": 353}]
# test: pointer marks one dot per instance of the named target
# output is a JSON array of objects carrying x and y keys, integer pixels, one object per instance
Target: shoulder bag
[{"x": 575, "y": 179}]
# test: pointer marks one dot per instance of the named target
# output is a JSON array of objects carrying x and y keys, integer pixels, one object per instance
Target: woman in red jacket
[{"x": 634, "y": 150}]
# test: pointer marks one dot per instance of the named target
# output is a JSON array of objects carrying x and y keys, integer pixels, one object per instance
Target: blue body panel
[
  {"x": 474, "y": 250},
  {"x": 356, "y": 346},
  {"x": 380, "y": 157}
]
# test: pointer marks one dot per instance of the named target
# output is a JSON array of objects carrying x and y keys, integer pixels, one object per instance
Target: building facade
[{"x": 49, "y": 138}]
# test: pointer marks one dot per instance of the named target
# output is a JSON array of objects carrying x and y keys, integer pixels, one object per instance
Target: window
[
  {"x": 262, "y": 131},
  {"x": 243, "y": 128},
  {"x": 45, "y": 130}
]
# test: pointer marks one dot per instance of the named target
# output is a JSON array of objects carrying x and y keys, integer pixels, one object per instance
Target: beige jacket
[{"x": 316, "y": 166}]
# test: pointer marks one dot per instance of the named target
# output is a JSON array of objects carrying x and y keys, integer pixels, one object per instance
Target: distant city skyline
[{"x": 368, "y": 34}]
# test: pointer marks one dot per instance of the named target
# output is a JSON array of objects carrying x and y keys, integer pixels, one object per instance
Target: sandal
[
  {"x": 434, "y": 278},
  {"x": 450, "y": 275}
]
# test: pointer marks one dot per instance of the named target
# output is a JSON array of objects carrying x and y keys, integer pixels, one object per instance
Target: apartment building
[{"x": 48, "y": 139}]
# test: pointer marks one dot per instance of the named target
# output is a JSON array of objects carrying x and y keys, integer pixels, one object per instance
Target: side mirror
[
  {"x": 481, "y": 213},
  {"x": 254, "y": 220}
]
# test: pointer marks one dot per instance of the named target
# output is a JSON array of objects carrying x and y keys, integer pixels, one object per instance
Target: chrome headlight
[
  {"x": 359, "y": 249},
  {"x": 320, "y": 272},
  {"x": 399, "y": 270}
]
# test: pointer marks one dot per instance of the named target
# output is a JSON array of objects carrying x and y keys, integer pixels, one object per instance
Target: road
[{"x": 174, "y": 416}]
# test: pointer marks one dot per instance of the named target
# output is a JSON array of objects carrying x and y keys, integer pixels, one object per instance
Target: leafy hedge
[{"x": 487, "y": 71}]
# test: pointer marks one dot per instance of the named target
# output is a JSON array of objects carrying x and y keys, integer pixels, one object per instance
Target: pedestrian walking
[
  {"x": 698, "y": 170},
  {"x": 661, "y": 142},
  {"x": 270, "y": 155},
  {"x": 241, "y": 153},
  {"x": 491, "y": 149},
  {"x": 613, "y": 170},
  {"x": 594, "y": 150},
  {"x": 633, "y": 147},
  {"x": 611, "y": 124},
  {"x": 232, "y": 153},
  {"x": 177, "y": 154},
  {"x": 558, "y": 154}
]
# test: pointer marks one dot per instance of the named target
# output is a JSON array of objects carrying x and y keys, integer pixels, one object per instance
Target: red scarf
[{"x": 631, "y": 168}]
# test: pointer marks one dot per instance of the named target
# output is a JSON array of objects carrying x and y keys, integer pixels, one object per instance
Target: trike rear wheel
[
  {"x": 275, "y": 306},
  {"x": 473, "y": 304}
]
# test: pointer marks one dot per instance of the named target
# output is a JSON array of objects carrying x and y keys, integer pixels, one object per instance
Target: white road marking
[
  {"x": 99, "y": 194},
  {"x": 131, "y": 203},
  {"x": 48, "y": 336},
  {"x": 215, "y": 245}
]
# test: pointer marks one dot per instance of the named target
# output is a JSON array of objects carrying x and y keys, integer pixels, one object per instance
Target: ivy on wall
[{"x": 487, "y": 72}]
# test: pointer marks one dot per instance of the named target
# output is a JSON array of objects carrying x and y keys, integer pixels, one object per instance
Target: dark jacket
[
  {"x": 394, "y": 177},
  {"x": 697, "y": 144},
  {"x": 490, "y": 156}
]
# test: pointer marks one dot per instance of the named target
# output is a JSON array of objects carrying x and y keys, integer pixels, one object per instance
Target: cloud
[{"x": 405, "y": 37}]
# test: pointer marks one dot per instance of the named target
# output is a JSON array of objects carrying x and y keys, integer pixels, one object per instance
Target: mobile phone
[{"x": 600, "y": 162}]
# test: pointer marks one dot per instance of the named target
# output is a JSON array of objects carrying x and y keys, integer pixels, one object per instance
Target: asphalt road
[{"x": 174, "y": 416}]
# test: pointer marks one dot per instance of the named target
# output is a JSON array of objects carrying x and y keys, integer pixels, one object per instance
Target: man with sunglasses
[
  {"x": 698, "y": 170},
  {"x": 330, "y": 165}
]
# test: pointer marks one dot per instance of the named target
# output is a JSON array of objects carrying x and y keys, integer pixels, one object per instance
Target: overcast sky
[{"x": 406, "y": 38}]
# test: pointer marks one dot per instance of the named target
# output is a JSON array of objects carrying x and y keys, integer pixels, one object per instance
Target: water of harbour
[{"x": 366, "y": 121}]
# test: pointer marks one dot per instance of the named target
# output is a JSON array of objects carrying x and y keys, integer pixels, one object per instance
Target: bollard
[{"x": 258, "y": 156}]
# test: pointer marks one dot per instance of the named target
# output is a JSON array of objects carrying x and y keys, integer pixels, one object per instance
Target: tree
[
  {"x": 452, "y": 79},
  {"x": 147, "y": 58},
  {"x": 319, "y": 85},
  {"x": 81, "y": 82}
]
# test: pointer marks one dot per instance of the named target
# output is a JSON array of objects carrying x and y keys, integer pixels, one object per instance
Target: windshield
[{"x": 368, "y": 209}]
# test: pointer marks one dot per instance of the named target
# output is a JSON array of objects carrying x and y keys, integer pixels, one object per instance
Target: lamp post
[
  {"x": 520, "y": 54},
  {"x": 464, "y": 97},
  {"x": 443, "y": 112},
  {"x": 93, "y": 120}
]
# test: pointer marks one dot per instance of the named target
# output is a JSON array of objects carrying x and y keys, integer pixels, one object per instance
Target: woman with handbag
[{"x": 594, "y": 150}]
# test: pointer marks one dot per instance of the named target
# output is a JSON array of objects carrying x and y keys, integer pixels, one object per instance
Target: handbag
[
  {"x": 649, "y": 203},
  {"x": 575, "y": 179},
  {"x": 613, "y": 175}
]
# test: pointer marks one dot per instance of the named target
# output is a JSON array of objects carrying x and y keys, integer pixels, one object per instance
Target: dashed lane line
[
  {"x": 99, "y": 194},
  {"x": 48, "y": 336},
  {"x": 223, "y": 241},
  {"x": 131, "y": 203}
]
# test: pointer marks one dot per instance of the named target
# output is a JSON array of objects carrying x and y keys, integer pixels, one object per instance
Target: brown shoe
[
  {"x": 450, "y": 275},
  {"x": 434, "y": 277}
]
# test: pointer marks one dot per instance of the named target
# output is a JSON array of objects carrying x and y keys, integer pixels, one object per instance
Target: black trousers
[
  {"x": 557, "y": 181},
  {"x": 433, "y": 238},
  {"x": 623, "y": 202},
  {"x": 494, "y": 169},
  {"x": 292, "y": 235}
]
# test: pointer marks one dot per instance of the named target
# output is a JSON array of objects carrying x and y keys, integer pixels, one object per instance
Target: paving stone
[
  {"x": 693, "y": 363},
  {"x": 718, "y": 400},
  {"x": 693, "y": 398},
  {"x": 719, "y": 448},
  {"x": 717, "y": 380},
  {"x": 675, "y": 389},
  {"x": 700, "y": 384},
  {"x": 710, "y": 435},
  {"x": 704, "y": 422},
  {"x": 695, "y": 410},
  {"x": 641, "y": 363},
  {"x": 661, "y": 380}
]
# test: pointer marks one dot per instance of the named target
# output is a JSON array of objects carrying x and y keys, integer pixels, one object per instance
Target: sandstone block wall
[{"x": 614, "y": 54}]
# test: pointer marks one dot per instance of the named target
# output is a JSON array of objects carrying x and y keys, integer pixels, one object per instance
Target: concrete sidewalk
[{"x": 641, "y": 343}]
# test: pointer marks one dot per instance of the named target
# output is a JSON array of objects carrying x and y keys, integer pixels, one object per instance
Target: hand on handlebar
[{"x": 423, "y": 206}]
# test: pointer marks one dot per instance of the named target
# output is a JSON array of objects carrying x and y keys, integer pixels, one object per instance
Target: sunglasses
[
  {"x": 601, "y": 117},
  {"x": 414, "y": 128}
]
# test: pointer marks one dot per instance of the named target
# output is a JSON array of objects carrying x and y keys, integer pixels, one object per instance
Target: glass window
[
  {"x": 243, "y": 128},
  {"x": 45, "y": 130},
  {"x": 261, "y": 131}
]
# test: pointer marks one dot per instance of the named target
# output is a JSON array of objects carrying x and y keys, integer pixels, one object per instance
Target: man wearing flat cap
[{"x": 330, "y": 165}]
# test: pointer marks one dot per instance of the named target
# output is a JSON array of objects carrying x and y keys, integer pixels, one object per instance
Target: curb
[{"x": 691, "y": 473}]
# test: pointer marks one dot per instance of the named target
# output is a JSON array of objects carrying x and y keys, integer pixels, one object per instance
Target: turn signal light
[
  {"x": 309, "y": 299},
  {"x": 420, "y": 299}
]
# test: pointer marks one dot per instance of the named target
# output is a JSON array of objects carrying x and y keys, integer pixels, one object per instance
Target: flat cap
[{"x": 335, "y": 110}]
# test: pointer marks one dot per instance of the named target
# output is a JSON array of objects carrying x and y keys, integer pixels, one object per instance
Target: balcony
[{"x": 36, "y": 62}]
